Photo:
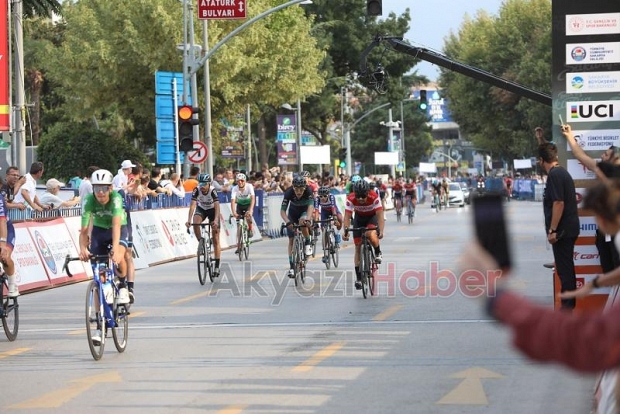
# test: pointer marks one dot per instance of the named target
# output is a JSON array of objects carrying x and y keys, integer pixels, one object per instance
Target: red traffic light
[{"x": 185, "y": 112}]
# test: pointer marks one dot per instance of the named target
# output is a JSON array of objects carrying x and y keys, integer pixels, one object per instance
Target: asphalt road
[{"x": 253, "y": 343}]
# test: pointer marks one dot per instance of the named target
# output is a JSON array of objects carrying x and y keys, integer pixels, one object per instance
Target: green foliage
[
  {"x": 515, "y": 45},
  {"x": 41, "y": 8},
  {"x": 70, "y": 147}
]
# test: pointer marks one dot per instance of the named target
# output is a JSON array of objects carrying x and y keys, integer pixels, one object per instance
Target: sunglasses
[
  {"x": 324, "y": 196},
  {"x": 101, "y": 189}
]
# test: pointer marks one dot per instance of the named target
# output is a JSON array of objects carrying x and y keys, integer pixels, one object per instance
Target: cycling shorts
[
  {"x": 363, "y": 221},
  {"x": 210, "y": 214},
  {"x": 294, "y": 215},
  {"x": 101, "y": 240},
  {"x": 241, "y": 210}
]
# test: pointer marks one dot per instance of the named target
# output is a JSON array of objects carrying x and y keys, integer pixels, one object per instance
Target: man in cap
[
  {"x": 121, "y": 178},
  {"x": 51, "y": 198}
]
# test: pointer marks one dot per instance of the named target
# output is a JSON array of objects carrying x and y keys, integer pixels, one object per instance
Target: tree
[
  {"x": 495, "y": 120},
  {"x": 41, "y": 8}
]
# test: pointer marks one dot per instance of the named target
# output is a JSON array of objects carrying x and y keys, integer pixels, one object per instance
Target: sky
[{"x": 432, "y": 20}]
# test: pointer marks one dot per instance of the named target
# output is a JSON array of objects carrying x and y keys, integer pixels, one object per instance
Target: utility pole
[
  {"x": 208, "y": 139},
  {"x": 19, "y": 108}
]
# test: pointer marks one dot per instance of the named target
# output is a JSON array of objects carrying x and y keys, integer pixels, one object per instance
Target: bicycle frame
[
  {"x": 367, "y": 263},
  {"x": 299, "y": 256},
  {"x": 243, "y": 237}
]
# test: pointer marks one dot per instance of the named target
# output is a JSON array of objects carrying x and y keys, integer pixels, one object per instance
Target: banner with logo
[{"x": 5, "y": 103}]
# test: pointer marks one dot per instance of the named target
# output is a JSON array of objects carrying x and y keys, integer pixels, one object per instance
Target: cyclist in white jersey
[
  {"x": 242, "y": 200},
  {"x": 206, "y": 204}
]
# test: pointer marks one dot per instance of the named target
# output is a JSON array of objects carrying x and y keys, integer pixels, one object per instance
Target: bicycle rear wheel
[
  {"x": 201, "y": 258},
  {"x": 246, "y": 244},
  {"x": 296, "y": 259},
  {"x": 121, "y": 330},
  {"x": 335, "y": 252},
  {"x": 209, "y": 260},
  {"x": 95, "y": 320},
  {"x": 10, "y": 315}
]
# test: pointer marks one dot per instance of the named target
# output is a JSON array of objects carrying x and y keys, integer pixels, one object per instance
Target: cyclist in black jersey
[{"x": 299, "y": 201}]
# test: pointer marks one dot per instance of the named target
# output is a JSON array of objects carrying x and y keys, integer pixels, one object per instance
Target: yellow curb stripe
[
  {"x": 387, "y": 313},
  {"x": 319, "y": 357},
  {"x": 12, "y": 352}
]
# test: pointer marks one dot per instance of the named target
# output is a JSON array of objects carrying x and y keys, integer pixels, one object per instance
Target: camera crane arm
[{"x": 399, "y": 45}]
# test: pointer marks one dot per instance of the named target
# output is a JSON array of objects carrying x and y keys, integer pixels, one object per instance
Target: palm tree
[{"x": 41, "y": 8}]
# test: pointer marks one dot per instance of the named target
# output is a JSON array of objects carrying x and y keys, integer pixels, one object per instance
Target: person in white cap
[
  {"x": 51, "y": 198},
  {"x": 121, "y": 178}
]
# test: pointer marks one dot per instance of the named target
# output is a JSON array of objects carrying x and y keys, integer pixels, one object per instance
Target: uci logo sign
[{"x": 594, "y": 111}]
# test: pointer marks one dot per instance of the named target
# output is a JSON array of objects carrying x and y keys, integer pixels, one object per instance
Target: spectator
[
  {"x": 121, "y": 177},
  {"x": 75, "y": 181},
  {"x": 174, "y": 185},
  {"x": 85, "y": 186},
  {"x": 28, "y": 191},
  {"x": 561, "y": 217},
  {"x": 50, "y": 197},
  {"x": 154, "y": 182},
  {"x": 11, "y": 187},
  {"x": 219, "y": 183},
  {"x": 192, "y": 181}
]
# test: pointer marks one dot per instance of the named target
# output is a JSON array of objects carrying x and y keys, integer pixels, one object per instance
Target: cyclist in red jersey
[
  {"x": 411, "y": 192},
  {"x": 397, "y": 195},
  {"x": 368, "y": 213}
]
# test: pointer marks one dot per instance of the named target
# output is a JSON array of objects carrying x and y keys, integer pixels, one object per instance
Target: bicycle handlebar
[{"x": 68, "y": 258}]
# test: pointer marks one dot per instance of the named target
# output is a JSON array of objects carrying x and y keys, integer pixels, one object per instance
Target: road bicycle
[
  {"x": 399, "y": 209},
  {"x": 436, "y": 204},
  {"x": 204, "y": 253},
  {"x": 314, "y": 238},
  {"x": 103, "y": 311},
  {"x": 410, "y": 209},
  {"x": 243, "y": 237},
  {"x": 10, "y": 308},
  {"x": 368, "y": 265},
  {"x": 299, "y": 256},
  {"x": 330, "y": 248}
]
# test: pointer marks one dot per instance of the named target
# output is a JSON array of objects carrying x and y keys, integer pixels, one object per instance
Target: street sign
[
  {"x": 199, "y": 154},
  {"x": 221, "y": 9}
]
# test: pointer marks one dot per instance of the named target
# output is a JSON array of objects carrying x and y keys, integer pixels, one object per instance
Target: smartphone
[
  {"x": 490, "y": 226},
  {"x": 561, "y": 120}
]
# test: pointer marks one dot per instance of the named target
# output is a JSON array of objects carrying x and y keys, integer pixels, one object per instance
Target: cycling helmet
[
  {"x": 324, "y": 191},
  {"x": 304, "y": 174},
  {"x": 101, "y": 177},
  {"x": 241, "y": 176},
  {"x": 355, "y": 178},
  {"x": 299, "y": 181},
  {"x": 361, "y": 189},
  {"x": 205, "y": 178}
]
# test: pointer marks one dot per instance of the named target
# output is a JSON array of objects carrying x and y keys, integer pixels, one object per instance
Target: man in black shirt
[
  {"x": 561, "y": 217},
  {"x": 11, "y": 187}
]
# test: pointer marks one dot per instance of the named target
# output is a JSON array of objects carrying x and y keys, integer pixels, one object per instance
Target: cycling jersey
[
  {"x": 397, "y": 190},
  {"x": 243, "y": 196},
  {"x": 327, "y": 207},
  {"x": 410, "y": 190},
  {"x": 290, "y": 199},
  {"x": 368, "y": 207},
  {"x": 102, "y": 214},
  {"x": 313, "y": 186},
  {"x": 205, "y": 201}
]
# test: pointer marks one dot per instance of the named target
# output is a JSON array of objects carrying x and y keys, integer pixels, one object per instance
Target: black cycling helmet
[
  {"x": 299, "y": 182},
  {"x": 324, "y": 191},
  {"x": 361, "y": 189},
  {"x": 305, "y": 174},
  {"x": 204, "y": 179}
]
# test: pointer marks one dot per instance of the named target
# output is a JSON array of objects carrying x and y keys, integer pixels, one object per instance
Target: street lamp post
[{"x": 391, "y": 124}]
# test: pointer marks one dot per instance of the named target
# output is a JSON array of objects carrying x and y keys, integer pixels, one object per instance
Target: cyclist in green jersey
[{"x": 104, "y": 210}]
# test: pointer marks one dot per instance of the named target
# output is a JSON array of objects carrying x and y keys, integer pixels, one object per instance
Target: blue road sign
[{"x": 165, "y": 112}]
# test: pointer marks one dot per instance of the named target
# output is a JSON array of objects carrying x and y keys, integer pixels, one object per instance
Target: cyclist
[
  {"x": 325, "y": 206},
  {"x": 349, "y": 185},
  {"x": 313, "y": 186},
  {"x": 445, "y": 192},
  {"x": 368, "y": 213},
  {"x": 436, "y": 190},
  {"x": 397, "y": 195},
  {"x": 242, "y": 201},
  {"x": 7, "y": 243},
  {"x": 299, "y": 201},
  {"x": 411, "y": 195},
  {"x": 205, "y": 204},
  {"x": 104, "y": 224},
  {"x": 382, "y": 192}
]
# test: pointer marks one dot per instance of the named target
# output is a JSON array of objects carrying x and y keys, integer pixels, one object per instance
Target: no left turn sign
[{"x": 199, "y": 153}]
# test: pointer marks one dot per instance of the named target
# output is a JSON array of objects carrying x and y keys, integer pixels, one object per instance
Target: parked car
[
  {"x": 466, "y": 192},
  {"x": 456, "y": 195}
]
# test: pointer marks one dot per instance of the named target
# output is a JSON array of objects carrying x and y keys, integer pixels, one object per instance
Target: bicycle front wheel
[
  {"x": 121, "y": 330},
  {"x": 335, "y": 251},
  {"x": 10, "y": 317},
  {"x": 95, "y": 324},
  {"x": 363, "y": 269},
  {"x": 371, "y": 271},
  {"x": 246, "y": 244},
  {"x": 327, "y": 248},
  {"x": 201, "y": 259}
]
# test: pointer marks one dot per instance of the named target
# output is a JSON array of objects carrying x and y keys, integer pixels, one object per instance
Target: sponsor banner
[
  {"x": 593, "y": 82},
  {"x": 587, "y": 224},
  {"x": 78, "y": 269},
  {"x": 586, "y": 255},
  {"x": 174, "y": 231},
  {"x": 587, "y": 53},
  {"x": 593, "y": 111},
  {"x": 596, "y": 140},
  {"x": 592, "y": 24},
  {"x": 28, "y": 265},
  {"x": 53, "y": 243},
  {"x": 578, "y": 171},
  {"x": 148, "y": 238}
]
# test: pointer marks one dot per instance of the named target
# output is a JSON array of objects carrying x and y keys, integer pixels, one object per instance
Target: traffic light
[
  {"x": 373, "y": 7},
  {"x": 423, "y": 100},
  {"x": 342, "y": 155},
  {"x": 186, "y": 122}
]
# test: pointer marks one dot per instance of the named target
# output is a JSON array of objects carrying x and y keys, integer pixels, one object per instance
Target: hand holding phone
[{"x": 490, "y": 226}]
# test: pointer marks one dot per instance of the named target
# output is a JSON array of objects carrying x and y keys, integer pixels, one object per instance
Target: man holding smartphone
[{"x": 561, "y": 217}]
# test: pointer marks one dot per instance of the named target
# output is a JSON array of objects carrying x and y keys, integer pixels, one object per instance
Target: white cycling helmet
[
  {"x": 101, "y": 177},
  {"x": 241, "y": 176}
]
